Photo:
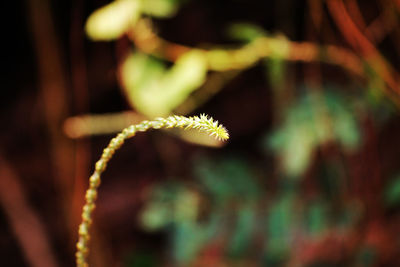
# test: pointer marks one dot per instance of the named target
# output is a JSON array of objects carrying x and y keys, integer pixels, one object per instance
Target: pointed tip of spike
[
  {"x": 214, "y": 128},
  {"x": 221, "y": 133}
]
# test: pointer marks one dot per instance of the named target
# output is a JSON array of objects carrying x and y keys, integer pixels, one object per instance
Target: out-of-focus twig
[
  {"x": 53, "y": 86},
  {"x": 87, "y": 125},
  {"x": 316, "y": 13},
  {"x": 29, "y": 231},
  {"x": 356, "y": 14},
  {"x": 81, "y": 105},
  {"x": 239, "y": 58},
  {"x": 380, "y": 27},
  {"x": 53, "y": 99},
  {"x": 361, "y": 44},
  {"x": 149, "y": 42}
]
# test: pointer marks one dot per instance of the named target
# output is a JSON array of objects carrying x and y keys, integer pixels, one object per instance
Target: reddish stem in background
[
  {"x": 53, "y": 98},
  {"x": 29, "y": 230},
  {"x": 361, "y": 44}
]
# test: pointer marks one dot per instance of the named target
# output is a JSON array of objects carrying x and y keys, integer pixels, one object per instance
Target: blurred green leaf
[
  {"x": 186, "y": 206},
  {"x": 227, "y": 178},
  {"x": 111, "y": 21},
  {"x": 188, "y": 239},
  {"x": 344, "y": 121},
  {"x": 141, "y": 259},
  {"x": 141, "y": 71},
  {"x": 155, "y": 216},
  {"x": 244, "y": 228},
  {"x": 317, "y": 218},
  {"x": 245, "y": 32},
  {"x": 158, "y": 210},
  {"x": 168, "y": 204},
  {"x": 280, "y": 225},
  {"x": 160, "y": 8},
  {"x": 174, "y": 207},
  {"x": 297, "y": 153},
  {"x": 392, "y": 192},
  {"x": 155, "y": 91},
  {"x": 314, "y": 120},
  {"x": 367, "y": 257},
  {"x": 381, "y": 106}
]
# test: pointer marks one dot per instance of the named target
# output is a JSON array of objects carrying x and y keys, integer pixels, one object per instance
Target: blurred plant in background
[{"x": 314, "y": 121}]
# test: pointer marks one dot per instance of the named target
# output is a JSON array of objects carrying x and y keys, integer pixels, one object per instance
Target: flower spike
[{"x": 202, "y": 123}]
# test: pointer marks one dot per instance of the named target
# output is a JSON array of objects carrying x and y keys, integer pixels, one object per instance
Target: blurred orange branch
[
  {"x": 29, "y": 231},
  {"x": 239, "y": 58},
  {"x": 147, "y": 41},
  {"x": 361, "y": 44},
  {"x": 53, "y": 96}
]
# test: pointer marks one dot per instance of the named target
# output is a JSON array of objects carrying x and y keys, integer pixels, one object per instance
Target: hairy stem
[{"x": 202, "y": 123}]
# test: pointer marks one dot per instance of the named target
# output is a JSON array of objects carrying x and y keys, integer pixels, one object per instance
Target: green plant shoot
[{"x": 202, "y": 123}]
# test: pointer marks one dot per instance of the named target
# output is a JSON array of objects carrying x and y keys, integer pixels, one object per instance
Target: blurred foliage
[
  {"x": 155, "y": 91},
  {"x": 316, "y": 119},
  {"x": 280, "y": 224},
  {"x": 170, "y": 204},
  {"x": 160, "y": 8},
  {"x": 227, "y": 179},
  {"x": 141, "y": 259},
  {"x": 392, "y": 192},
  {"x": 113, "y": 20},
  {"x": 236, "y": 214},
  {"x": 245, "y": 32},
  {"x": 178, "y": 206},
  {"x": 275, "y": 63}
]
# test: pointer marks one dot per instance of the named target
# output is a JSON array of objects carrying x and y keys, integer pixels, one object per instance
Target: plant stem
[{"x": 202, "y": 123}]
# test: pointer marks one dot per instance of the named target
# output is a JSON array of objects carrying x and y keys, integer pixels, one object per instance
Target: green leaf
[
  {"x": 186, "y": 206},
  {"x": 244, "y": 228},
  {"x": 170, "y": 203},
  {"x": 155, "y": 216},
  {"x": 392, "y": 192},
  {"x": 280, "y": 222},
  {"x": 112, "y": 21},
  {"x": 188, "y": 239},
  {"x": 298, "y": 150},
  {"x": 314, "y": 120},
  {"x": 141, "y": 259},
  {"x": 366, "y": 256},
  {"x": 245, "y": 32},
  {"x": 140, "y": 71},
  {"x": 317, "y": 218},
  {"x": 160, "y": 8},
  {"x": 226, "y": 179},
  {"x": 155, "y": 91}
]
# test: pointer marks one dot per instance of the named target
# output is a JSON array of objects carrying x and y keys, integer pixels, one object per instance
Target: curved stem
[{"x": 202, "y": 123}]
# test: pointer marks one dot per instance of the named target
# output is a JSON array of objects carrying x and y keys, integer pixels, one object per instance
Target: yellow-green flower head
[{"x": 212, "y": 127}]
